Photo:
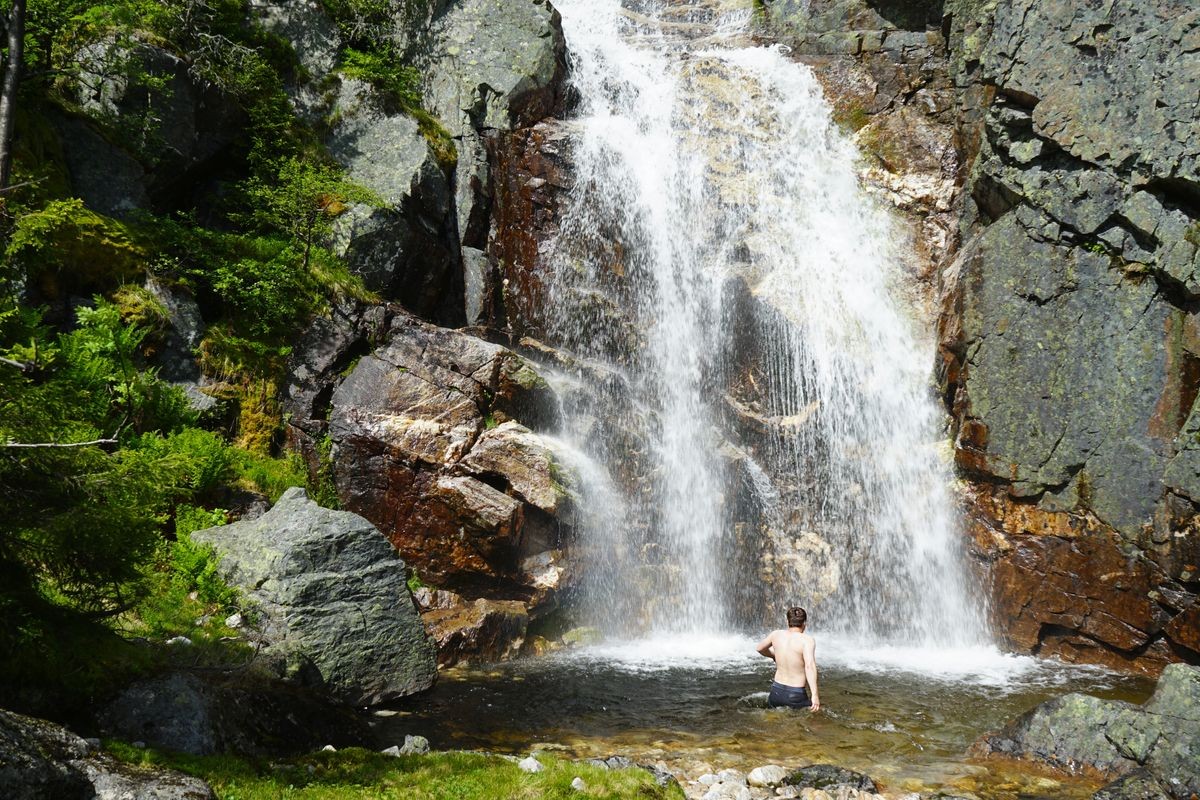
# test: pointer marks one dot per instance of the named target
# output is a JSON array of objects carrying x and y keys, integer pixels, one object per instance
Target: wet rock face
[
  {"x": 1156, "y": 746},
  {"x": 336, "y": 612},
  {"x": 427, "y": 445},
  {"x": 1068, "y": 587},
  {"x": 492, "y": 66},
  {"x": 483, "y": 630},
  {"x": 1068, "y": 332}
]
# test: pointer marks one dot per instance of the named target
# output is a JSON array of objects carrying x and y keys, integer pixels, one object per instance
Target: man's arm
[
  {"x": 764, "y": 647},
  {"x": 810, "y": 672}
]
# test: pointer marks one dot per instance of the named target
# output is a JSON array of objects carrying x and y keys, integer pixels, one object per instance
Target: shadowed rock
[{"x": 39, "y": 759}]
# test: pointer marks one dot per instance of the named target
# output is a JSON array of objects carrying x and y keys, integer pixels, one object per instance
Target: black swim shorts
[{"x": 782, "y": 696}]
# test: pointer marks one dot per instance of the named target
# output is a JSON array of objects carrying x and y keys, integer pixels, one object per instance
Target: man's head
[{"x": 797, "y": 617}]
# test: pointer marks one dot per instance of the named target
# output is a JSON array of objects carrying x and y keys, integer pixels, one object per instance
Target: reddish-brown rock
[
  {"x": 1065, "y": 585},
  {"x": 427, "y": 448},
  {"x": 484, "y": 630}
]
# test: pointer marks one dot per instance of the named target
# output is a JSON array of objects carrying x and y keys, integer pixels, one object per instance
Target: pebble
[
  {"x": 328, "y": 749},
  {"x": 391, "y": 751},
  {"x": 707, "y": 780},
  {"x": 728, "y": 791},
  {"x": 415, "y": 745},
  {"x": 731, "y": 776},
  {"x": 179, "y": 640},
  {"x": 578, "y": 784},
  {"x": 787, "y": 791},
  {"x": 768, "y": 775},
  {"x": 234, "y": 621},
  {"x": 530, "y": 764}
]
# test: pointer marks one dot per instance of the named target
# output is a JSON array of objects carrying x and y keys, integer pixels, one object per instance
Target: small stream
[{"x": 904, "y": 716}]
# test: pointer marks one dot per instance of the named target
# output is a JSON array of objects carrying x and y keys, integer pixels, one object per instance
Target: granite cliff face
[
  {"x": 1062, "y": 238},
  {"x": 1068, "y": 333}
]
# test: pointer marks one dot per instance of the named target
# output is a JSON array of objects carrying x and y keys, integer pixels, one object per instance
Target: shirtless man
[{"x": 794, "y": 654}]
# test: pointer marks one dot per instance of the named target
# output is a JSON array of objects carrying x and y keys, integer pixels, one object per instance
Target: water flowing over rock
[
  {"x": 1067, "y": 332},
  {"x": 1156, "y": 746},
  {"x": 336, "y": 610},
  {"x": 688, "y": 248}
]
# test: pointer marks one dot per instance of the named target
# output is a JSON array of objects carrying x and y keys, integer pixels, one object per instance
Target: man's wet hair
[{"x": 797, "y": 617}]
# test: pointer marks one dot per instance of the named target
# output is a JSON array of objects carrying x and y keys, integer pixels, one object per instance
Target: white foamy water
[
  {"x": 717, "y": 241},
  {"x": 979, "y": 665}
]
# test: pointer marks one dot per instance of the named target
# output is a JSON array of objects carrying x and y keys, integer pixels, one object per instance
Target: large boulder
[
  {"x": 1155, "y": 746},
  {"x": 1068, "y": 334},
  {"x": 482, "y": 630},
  {"x": 428, "y": 446},
  {"x": 336, "y": 612},
  {"x": 40, "y": 760}
]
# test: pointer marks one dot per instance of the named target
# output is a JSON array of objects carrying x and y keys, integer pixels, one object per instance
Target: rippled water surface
[{"x": 906, "y": 717}]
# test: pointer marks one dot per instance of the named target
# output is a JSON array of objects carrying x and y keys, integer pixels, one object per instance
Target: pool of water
[{"x": 904, "y": 716}]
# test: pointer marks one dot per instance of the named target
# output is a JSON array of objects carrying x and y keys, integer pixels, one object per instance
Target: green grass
[{"x": 355, "y": 774}]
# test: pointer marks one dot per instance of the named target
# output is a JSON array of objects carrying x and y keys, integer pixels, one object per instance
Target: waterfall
[{"x": 754, "y": 386}]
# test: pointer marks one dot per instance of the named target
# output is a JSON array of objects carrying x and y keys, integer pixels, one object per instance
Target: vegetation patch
[{"x": 355, "y": 774}]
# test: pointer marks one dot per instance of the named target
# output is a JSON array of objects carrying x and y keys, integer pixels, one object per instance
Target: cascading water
[{"x": 764, "y": 400}]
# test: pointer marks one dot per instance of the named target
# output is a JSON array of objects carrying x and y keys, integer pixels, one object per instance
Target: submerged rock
[
  {"x": 336, "y": 609},
  {"x": 1157, "y": 743},
  {"x": 40, "y": 760},
  {"x": 825, "y": 776}
]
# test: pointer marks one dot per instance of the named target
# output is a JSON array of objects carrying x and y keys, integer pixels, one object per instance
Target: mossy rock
[
  {"x": 69, "y": 249},
  {"x": 579, "y": 637}
]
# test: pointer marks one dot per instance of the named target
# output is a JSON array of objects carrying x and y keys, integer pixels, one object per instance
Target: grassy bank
[{"x": 355, "y": 774}]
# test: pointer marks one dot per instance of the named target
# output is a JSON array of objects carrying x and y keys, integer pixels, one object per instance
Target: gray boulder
[
  {"x": 1153, "y": 748},
  {"x": 40, "y": 760},
  {"x": 335, "y": 607}
]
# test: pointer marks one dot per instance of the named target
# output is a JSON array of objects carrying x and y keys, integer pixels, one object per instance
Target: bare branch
[
  {"x": 92, "y": 443},
  {"x": 21, "y": 365}
]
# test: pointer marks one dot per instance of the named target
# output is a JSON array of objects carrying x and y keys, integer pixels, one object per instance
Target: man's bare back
[{"x": 794, "y": 654}]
